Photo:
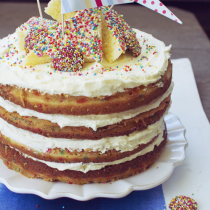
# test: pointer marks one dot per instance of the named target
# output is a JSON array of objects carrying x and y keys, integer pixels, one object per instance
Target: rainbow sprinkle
[
  {"x": 182, "y": 203},
  {"x": 68, "y": 59}
]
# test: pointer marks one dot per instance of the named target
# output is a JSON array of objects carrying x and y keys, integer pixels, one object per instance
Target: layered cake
[{"x": 86, "y": 107}]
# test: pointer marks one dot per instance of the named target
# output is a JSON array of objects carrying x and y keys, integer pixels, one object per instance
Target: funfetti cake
[{"x": 71, "y": 110}]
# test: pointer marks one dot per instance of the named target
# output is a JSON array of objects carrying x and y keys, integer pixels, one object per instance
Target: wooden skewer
[
  {"x": 63, "y": 25},
  {"x": 40, "y": 10},
  {"x": 111, "y": 8}
]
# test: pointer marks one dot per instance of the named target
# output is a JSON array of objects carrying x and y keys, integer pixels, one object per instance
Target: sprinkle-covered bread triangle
[
  {"x": 84, "y": 31},
  {"x": 54, "y": 10},
  {"x": 31, "y": 59},
  {"x": 118, "y": 36}
]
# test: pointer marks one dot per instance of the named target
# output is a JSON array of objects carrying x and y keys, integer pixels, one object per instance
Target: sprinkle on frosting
[
  {"x": 68, "y": 59},
  {"x": 182, "y": 203}
]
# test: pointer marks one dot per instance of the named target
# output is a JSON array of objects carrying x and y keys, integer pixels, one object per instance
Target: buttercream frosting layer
[
  {"x": 91, "y": 121},
  {"x": 97, "y": 166},
  {"x": 40, "y": 143},
  {"x": 95, "y": 79}
]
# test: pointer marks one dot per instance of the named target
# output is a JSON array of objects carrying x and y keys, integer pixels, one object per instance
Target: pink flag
[
  {"x": 159, "y": 7},
  {"x": 75, "y": 5}
]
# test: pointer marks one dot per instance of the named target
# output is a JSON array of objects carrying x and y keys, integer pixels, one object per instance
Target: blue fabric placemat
[{"x": 139, "y": 200}]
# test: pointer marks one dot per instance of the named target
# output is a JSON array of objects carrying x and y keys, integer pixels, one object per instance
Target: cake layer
[
  {"x": 75, "y": 150},
  {"x": 33, "y": 169},
  {"x": 85, "y": 167},
  {"x": 125, "y": 127},
  {"x": 89, "y": 121},
  {"x": 94, "y": 80},
  {"x": 71, "y": 105}
]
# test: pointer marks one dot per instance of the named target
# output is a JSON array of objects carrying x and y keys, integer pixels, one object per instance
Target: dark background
[{"x": 201, "y": 9}]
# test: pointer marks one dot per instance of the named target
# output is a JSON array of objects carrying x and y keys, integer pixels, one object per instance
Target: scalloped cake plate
[{"x": 172, "y": 156}]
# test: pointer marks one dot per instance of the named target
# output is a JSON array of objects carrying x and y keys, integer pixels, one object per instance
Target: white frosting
[
  {"x": 97, "y": 166},
  {"x": 4, "y": 46},
  {"x": 92, "y": 121},
  {"x": 145, "y": 70},
  {"x": 42, "y": 144}
]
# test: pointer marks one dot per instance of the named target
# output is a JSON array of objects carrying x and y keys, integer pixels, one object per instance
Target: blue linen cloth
[{"x": 138, "y": 200}]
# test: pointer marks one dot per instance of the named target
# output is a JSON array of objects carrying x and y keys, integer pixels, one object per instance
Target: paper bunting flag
[
  {"x": 75, "y": 5},
  {"x": 159, "y": 7}
]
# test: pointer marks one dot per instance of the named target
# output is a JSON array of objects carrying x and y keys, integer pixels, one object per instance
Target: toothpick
[
  {"x": 40, "y": 10},
  {"x": 63, "y": 25},
  {"x": 111, "y": 8}
]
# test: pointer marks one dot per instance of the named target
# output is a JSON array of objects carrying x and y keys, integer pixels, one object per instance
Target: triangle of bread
[
  {"x": 110, "y": 44},
  {"x": 118, "y": 36},
  {"x": 32, "y": 59},
  {"x": 54, "y": 10}
]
